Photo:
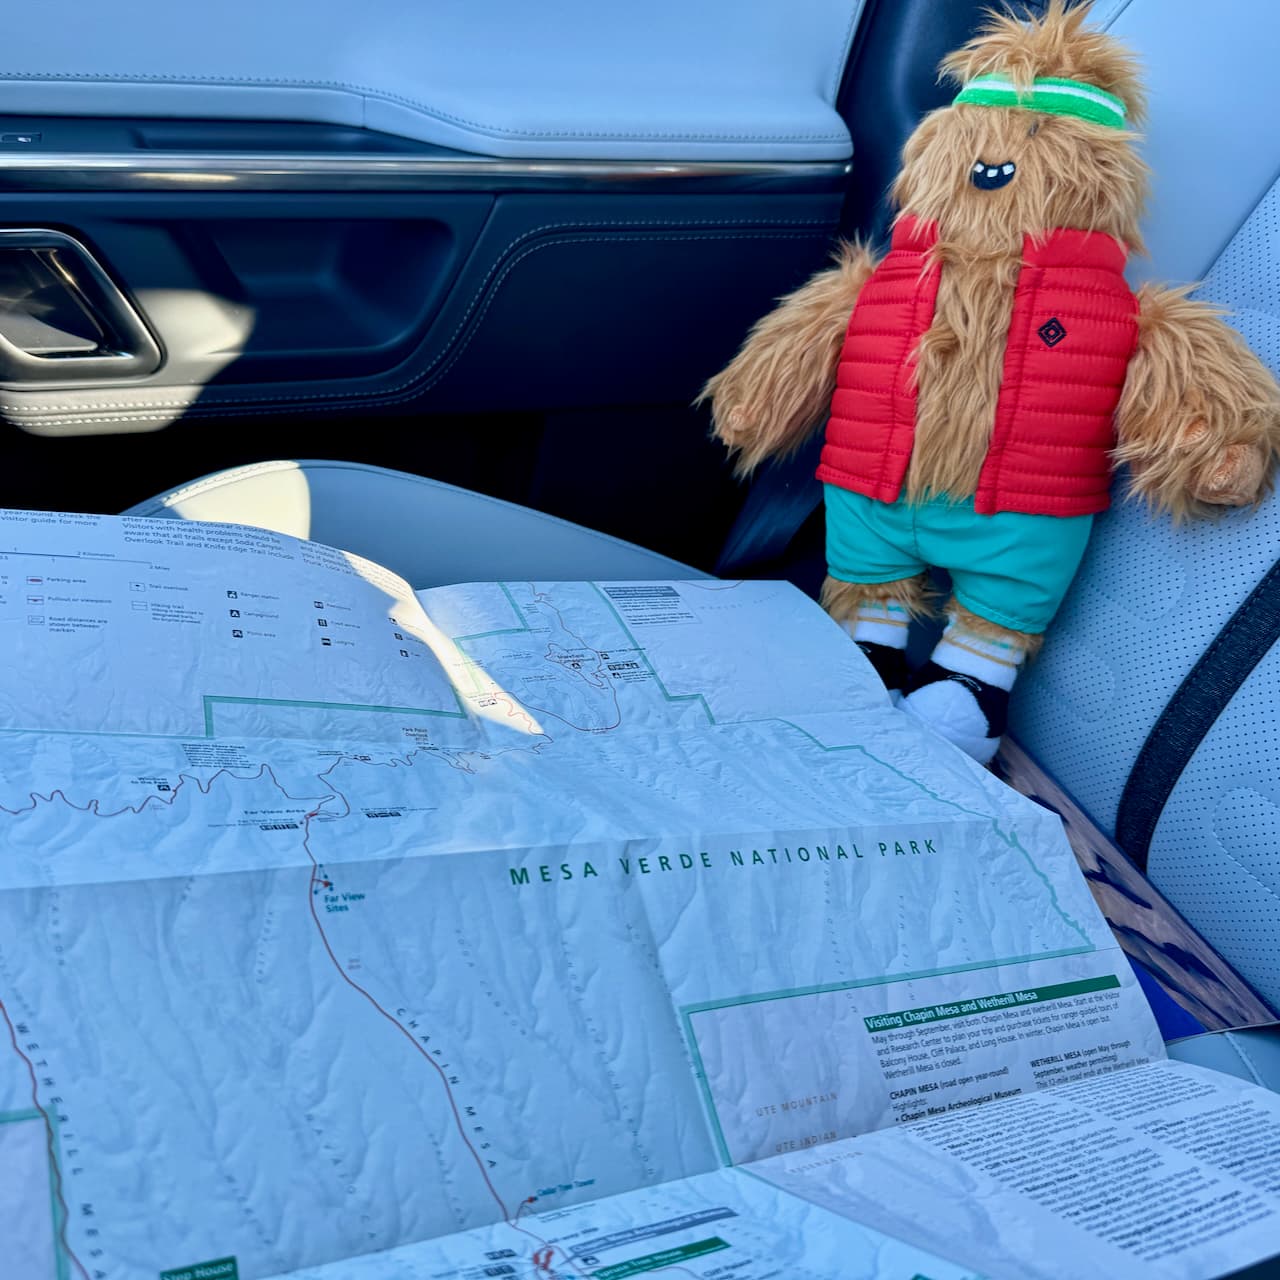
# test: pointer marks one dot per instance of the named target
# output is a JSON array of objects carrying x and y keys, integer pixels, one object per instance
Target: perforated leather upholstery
[
  {"x": 429, "y": 533},
  {"x": 1216, "y": 850},
  {"x": 667, "y": 79},
  {"x": 1150, "y": 599}
]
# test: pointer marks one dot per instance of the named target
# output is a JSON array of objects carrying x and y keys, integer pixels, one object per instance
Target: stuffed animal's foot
[
  {"x": 963, "y": 691},
  {"x": 965, "y": 710},
  {"x": 1233, "y": 478},
  {"x": 890, "y": 662},
  {"x": 876, "y": 616}
]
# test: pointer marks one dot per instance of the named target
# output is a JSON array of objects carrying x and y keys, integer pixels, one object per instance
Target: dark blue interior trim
[
  {"x": 889, "y": 82},
  {"x": 782, "y": 497}
]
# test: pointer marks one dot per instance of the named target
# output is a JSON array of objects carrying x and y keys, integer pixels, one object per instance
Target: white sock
[
  {"x": 970, "y": 654},
  {"x": 882, "y": 622}
]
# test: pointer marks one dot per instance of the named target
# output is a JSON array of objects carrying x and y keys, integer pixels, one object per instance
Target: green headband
[{"x": 1053, "y": 97}]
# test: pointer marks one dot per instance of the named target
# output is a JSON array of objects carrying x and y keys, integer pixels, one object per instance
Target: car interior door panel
[
  {"x": 431, "y": 209},
  {"x": 270, "y": 286},
  {"x": 63, "y": 319},
  {"x": 666, "y": 80},
  {"x": 265, "y": 303}
]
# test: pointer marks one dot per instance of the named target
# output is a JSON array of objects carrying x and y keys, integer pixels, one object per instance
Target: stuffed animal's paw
[
  {"x": 734, "y": 424},
  {"x": 1235, "y": 477}
]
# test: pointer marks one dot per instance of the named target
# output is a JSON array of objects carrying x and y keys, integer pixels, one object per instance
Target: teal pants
[{"x": 1009, "y": 568}]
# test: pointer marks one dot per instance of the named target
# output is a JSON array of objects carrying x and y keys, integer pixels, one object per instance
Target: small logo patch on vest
[{"x": 1052, "y": 332}]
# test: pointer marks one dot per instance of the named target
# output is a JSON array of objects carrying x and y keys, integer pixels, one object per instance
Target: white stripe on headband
[{"x": 1050, "y": 95}]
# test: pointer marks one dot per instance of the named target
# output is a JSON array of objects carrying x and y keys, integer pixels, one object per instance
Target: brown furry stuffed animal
[{"x": 995, "y": 368}]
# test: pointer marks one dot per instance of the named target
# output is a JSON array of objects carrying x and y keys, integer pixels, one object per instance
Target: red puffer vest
[{"x": 1072, "y": 332}]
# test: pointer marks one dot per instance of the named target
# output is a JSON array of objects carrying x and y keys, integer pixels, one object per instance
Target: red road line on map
[
  {"x": 395, "y": 1022},
  {"x": 516, "y": 710},
  {"x": 53, "y": 1156},
  {"x": 512, "y": 1221}
]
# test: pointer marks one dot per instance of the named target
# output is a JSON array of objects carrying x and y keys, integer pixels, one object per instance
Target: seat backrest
[
  {"x": 429, "y": 532},
  {"x": 1154, "y": 702}
]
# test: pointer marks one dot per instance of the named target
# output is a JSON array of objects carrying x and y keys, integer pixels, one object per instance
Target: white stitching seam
[
  {"x": 449, "y": 354},
  {"x": 503, "y": 258},
  {"x": 843, "y": 61},
  {"x": 1249, "y": 1063},
  {"x": 1262, "y": 884},
  {"x": 406, "y": 390},
  {"x": 368, "y": 92}
]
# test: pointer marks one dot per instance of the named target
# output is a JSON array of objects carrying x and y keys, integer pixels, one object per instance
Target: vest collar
[{"x": 1058, "y": 247}]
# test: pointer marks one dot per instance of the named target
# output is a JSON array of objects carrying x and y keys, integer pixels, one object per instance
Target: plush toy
[{"x": 994, "y": 369}]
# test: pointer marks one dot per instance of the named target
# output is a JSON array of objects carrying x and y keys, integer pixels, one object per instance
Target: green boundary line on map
[
  {"x": 700, "y": 1074},
  {"x": 16, "y": 1117},
  {"x": 500, "y": 631},
  {"x": 644, "y": 657},
  {"x": 687, "y": 1011},
  {"x": 91, "y": 733},
  {"x": 1011, "y": 840},
  {"x": 825, "y": 988},
  {"x": 472, "y": 666}
]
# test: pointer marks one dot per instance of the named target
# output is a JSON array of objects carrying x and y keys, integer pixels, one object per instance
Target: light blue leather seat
[
  {"x": 1250, "y": 1055},
  {"x": 719, "y": 79},
  {"x": 1143, "y": 705},
  {"x": 428, "y": 532}
]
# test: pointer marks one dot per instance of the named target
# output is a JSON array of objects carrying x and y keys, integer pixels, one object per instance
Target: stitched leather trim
[
  {"x": 369, "y": 93},
  {"x": 237, "y": 404}
]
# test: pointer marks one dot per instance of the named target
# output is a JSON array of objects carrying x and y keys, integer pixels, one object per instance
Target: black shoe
[{"x": 890, "y": 663}]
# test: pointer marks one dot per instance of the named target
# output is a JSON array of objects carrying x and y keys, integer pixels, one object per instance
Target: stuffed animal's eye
[{"x": 1035, "y": 128}]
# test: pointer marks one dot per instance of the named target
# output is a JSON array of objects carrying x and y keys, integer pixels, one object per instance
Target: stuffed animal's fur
[
  {"x": 1198, "y": 423},
  {"x": 1188, "y": 442}
]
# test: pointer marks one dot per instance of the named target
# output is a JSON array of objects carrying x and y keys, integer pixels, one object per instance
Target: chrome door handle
[{"x": 125, "y": 346}]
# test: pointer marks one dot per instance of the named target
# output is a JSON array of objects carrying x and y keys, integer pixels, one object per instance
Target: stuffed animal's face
[{"x": 990, "y": 174}]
